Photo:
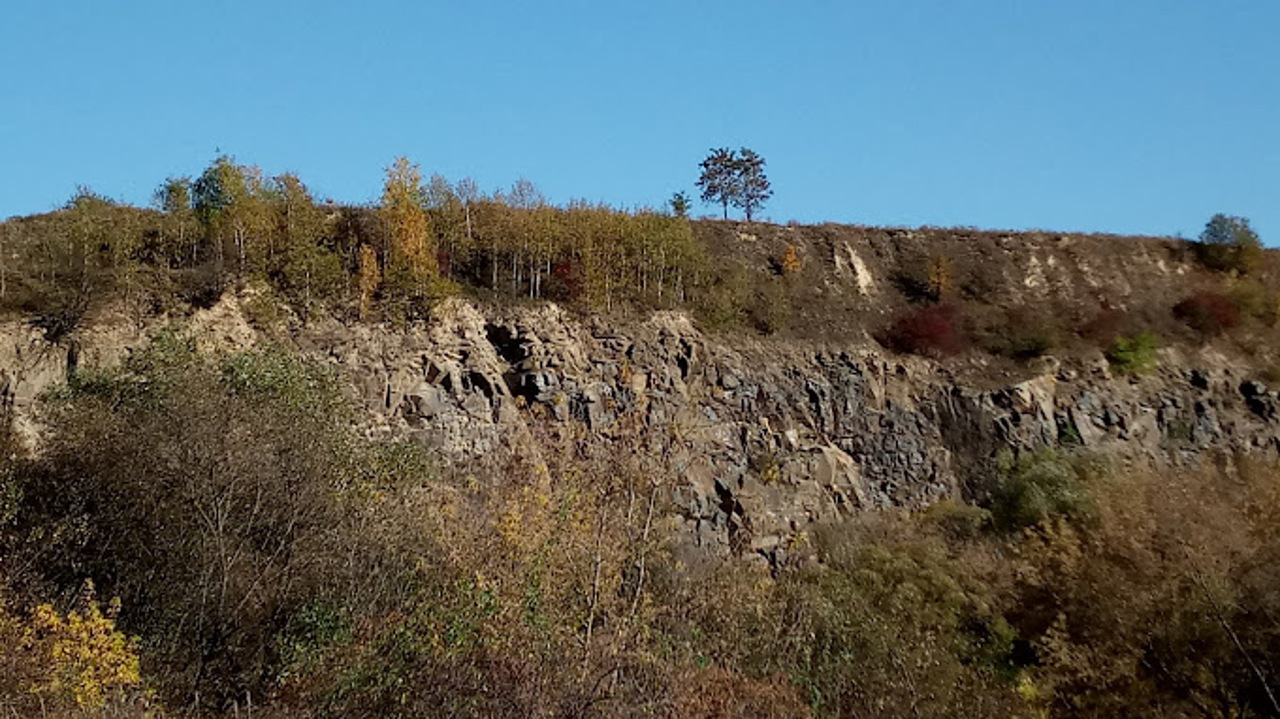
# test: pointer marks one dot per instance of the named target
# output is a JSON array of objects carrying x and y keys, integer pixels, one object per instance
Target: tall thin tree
[
  {"x": 752, "y": 185},
  {"x": 719, "y": 181}
]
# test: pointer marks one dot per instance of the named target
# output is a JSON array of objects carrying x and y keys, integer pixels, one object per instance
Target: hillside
[{"x": 583, "y": 462}]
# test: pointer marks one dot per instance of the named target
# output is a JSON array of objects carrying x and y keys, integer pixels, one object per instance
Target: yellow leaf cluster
[
  {"x": 941, "y": 279},
  {"x": 791, "y": 263},
  {"x": 84, "y": 657}
]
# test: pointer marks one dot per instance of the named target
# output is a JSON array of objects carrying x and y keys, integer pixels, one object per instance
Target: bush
[
  {"x": 722, "y": 302},
  {"x": 77, "y": 660},
  {"x": 770, "y": 307},
  {"x": 791, "y": 263},
  {"x": 1207, "y": 312},
  {"x": 1105, "y": 326},
  {"x": 927, "y": 331},
  {"x": 1254, "y": 300},
  {"x": 1020, "y": 334},
  {"x": 1135, "y": 355},
  {"x": 1034, "y": 487},
  {"x": 889, "y": 624},
  {"x": 958, "y": 520},
  {"x": 1163, "y": 606},
  {"x": 214, "y": 541}
]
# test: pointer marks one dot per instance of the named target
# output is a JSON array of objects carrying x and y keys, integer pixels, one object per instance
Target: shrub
[
  {"x": 1207, "y": 312},
  {"x": 70, "y": 661},
  {"x": 927, "y": 331},
  {"x": 1103, "y": 328},
  {"x": 889, "y": 625},
  {"x": 770, "y": 307},
  {"x": 1134, "y": 355},
  {"x": 723, "y": 300},
  {"x": 1254, "y": 300},
  {"x": 217, "y": 539},
  {"x": 941, "y": 280},
  {"x": 1035, "y": 487},
  {"x": 958, "y": 520},
  {"x": 1019, "y": 333},
  {"x": 1163, "y": 605},
  {"x": 310, "y": 631}
]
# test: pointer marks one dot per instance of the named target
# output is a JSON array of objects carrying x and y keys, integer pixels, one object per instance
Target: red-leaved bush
[
  {"x": 929, "y": 331},
  {"x": 1208, "y": 312},
  {"x": 1103, "y": 328}
]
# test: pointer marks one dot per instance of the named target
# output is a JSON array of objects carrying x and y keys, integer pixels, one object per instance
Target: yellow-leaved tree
[{"x": 412, "y": 269}]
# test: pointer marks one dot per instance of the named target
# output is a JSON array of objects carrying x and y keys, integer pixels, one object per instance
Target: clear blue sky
[{"x": 1113, "y": 115}]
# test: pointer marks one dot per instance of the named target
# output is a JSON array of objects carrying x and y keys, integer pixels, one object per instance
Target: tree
[
  {"x": 178, "y": 236},
  {"x": 720, "y": 181},
  {"x": 752, "y": 185},
  {"x": 229, "y": 201},
  {"x": 468, "y": 193},
  {"x": 735, "y": 178},
  {"x": 1229, "y": 243},
  {"x": 941, "y": 278},
  {"x": 679, "y": 204},
  {"x": 297, "y": 258},
  {"x": 530, "y": 249},
  {"x": 369, "y": 278},
  {"x": 412, "y": 250}
]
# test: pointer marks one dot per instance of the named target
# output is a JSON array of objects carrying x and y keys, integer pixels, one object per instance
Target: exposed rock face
[{"x": 763, "y": 437}]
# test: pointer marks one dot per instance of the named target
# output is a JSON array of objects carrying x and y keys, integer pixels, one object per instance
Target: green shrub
[
  {"x": 311, "y": 631},
  {"x": 770, "y": 307},
  {"x": 1033, "y": 487},
  {"x": 889, "y": 624},
  {"x": 1134, "y": 355},
  {"x": 1021, "y": 333},
  {"x": 203, "y": 492},
  {"x": 1254, "y": 300},
  {"x": 722, "y": 301},
  {"x": 957, "y": 519}
]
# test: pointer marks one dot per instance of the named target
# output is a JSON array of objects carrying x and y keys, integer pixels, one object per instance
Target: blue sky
[{"x": 1128, "y": 116}]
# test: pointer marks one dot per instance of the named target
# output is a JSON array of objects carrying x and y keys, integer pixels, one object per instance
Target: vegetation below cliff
[{"x": 264, "y": 554}]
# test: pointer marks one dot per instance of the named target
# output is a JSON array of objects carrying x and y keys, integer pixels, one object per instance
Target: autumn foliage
[
  {"x": 279, "y": 559},
  {"x": 931, "y": 331},
  {"x": 1208, "y": 313}
]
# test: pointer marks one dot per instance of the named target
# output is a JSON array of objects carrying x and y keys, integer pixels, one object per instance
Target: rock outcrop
[{"x": 762, "y": 437}]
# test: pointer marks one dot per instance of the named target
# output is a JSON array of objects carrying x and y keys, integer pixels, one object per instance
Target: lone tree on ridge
[{"x": 1229, "y": 243}]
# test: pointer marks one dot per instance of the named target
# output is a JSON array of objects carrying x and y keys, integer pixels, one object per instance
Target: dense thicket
[{"x": 424, "y": 240}]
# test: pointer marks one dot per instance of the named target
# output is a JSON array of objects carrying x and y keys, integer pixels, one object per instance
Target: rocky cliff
[{"x": 758, "y": 438}]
